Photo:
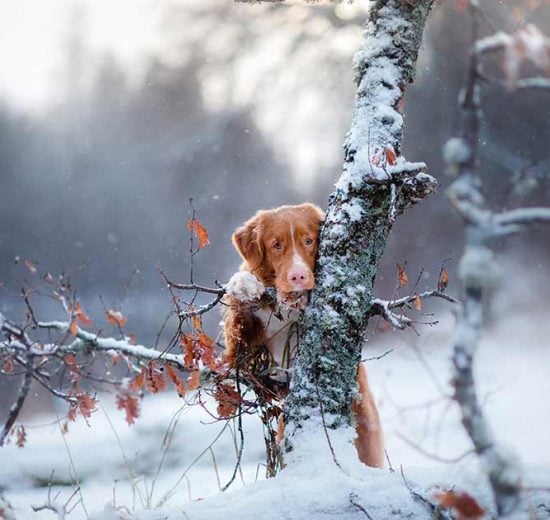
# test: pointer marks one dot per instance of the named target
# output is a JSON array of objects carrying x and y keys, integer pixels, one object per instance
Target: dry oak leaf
[
  {"x": 200, "y": 232},
  {"x": 465, "y": 505},
  {"x": 391, "y": 156},
  {"x": 417, "y": 302},
  {"x": 177, "y": 381},
  {"x": 83, "y": 404},
  {"x": 187, "y": 344},
  {"x": 130, "y": 404},
  {"x": 81, "y": 316},
  {"x": 443, "y": 280},
  {"x": 402, "y": 277},
  {"x": 228, "y": 400},
  {"x": 115, "y": 318},
  {"x": 194, "y": 379},
  {"x": 154, "y": 378}
]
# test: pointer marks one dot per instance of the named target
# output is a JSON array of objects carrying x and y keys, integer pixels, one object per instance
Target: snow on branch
[{"x": 376, "y": 185}]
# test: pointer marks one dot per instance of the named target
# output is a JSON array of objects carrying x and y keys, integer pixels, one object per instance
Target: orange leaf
[
  {"x": 466, "y": 506},
  {"x": 83, "y": 404},
  {"x": 187, "y": 344},
  {"x": 391, "y": 156},
  {"x": 115, "y": 318},
  {"x": 196, "y": 322},
  {"x": 154, "y": 378},
  {"x": 443, "y": 280},
  {"x": 70, "y": 360},
  {"x": 200, "y": 231},
  {"x": 228, "y": 400},
  {"x": 130, "y": 404},
  {"x": 402, "y": 275},
  {"x": 82, "y": 317},
  {"x": 417, "y": 302},
  {"x": 138, "y": 381},
  {"x": 194, "y": 380},
  {"x": 73, "y": 328},
  {"x": 178, "y": 383}
]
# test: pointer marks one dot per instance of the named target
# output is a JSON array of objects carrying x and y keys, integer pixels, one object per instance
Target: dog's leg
[{"x": 370, "y": 441}]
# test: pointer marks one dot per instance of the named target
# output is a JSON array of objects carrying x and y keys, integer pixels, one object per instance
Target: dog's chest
[{"x": 280, "y": 332}]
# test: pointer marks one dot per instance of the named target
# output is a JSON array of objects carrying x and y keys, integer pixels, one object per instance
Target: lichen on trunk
[{"x": 376, "y": 185}]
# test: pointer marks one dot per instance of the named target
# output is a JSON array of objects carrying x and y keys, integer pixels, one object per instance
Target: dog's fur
[{"x": 279, "y": 247}]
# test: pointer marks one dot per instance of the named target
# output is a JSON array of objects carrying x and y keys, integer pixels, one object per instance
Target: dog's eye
[
  {"x": 308, "y": 241},
  {"x": 277, "y": 245}
]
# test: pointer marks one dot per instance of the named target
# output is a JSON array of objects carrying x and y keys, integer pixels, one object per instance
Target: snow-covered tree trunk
[{"x": 376, "y": 185}]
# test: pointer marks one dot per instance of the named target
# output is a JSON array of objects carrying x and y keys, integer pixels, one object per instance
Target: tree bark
[{"x": 377, "y": 184}]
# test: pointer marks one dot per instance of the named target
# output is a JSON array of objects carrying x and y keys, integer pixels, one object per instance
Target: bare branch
[{"x": 21, "y": 396}]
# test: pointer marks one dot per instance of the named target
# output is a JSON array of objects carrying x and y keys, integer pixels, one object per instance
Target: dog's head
[{"x": 279, "y": 247}]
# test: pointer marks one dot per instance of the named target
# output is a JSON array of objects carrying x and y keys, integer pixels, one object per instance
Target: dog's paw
[{"x": 245, "y": 287}]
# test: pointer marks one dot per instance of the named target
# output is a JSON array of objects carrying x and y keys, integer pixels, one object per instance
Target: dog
[{"x": 279, "y": 248}]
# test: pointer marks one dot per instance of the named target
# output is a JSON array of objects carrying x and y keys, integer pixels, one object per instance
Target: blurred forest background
[{"x": 114, "y": 114}]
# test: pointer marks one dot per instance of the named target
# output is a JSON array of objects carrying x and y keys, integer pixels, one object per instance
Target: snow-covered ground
[{"x": 119, "y": 467}]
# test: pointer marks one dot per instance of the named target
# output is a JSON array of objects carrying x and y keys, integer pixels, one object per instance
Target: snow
[{"x": 111, "y": 459}]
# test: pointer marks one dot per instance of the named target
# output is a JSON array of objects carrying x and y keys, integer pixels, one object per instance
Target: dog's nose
[{"x": 299, "y": 278}]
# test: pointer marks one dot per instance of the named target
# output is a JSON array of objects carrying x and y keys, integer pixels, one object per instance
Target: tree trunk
[{"x": 376, "y": 185}]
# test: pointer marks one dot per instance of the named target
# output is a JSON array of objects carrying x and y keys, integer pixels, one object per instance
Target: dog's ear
[
  {"x": 315, "y": 212},
  {"x": 247, "y": 242}
]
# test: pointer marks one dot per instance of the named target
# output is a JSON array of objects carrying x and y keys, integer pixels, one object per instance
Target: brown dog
[{"x": 279, "y": 247}]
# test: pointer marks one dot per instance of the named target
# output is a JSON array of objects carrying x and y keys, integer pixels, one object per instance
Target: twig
[
  {"x": 354, "y": 500},
  {"x": 435, "y": 510}
]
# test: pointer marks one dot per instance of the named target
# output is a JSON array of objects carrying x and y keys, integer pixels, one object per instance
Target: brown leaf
[
  {"x": 138, "y": 381},
  {"x": 391, "y": 156},
  {"x": 402, "y": 277},
  {"x": 81, "y": 316},
  {"x": 194, "y": 380},
  {"x": 70, "y": 360},
  {"x": 208, "y": 351},
  {"x": 187, "y": 343},
  {"x": 115, "y": 318},
  {"x": 443, "y": 280},
  {"x": 177, "y": 381},
  {"x": 200, "y": 232},
  {"x": 73, "y": 327},
  {"x": 130, "y": 404},
  {"x": 228, "y": 400},
  {"x": 196, "y": 323},
  {"x": 154, "y": 378},
  {"x": 83, "y": 404},
  {"x": 417, "y": 302},
  {"x": 466, "y": 506}
]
